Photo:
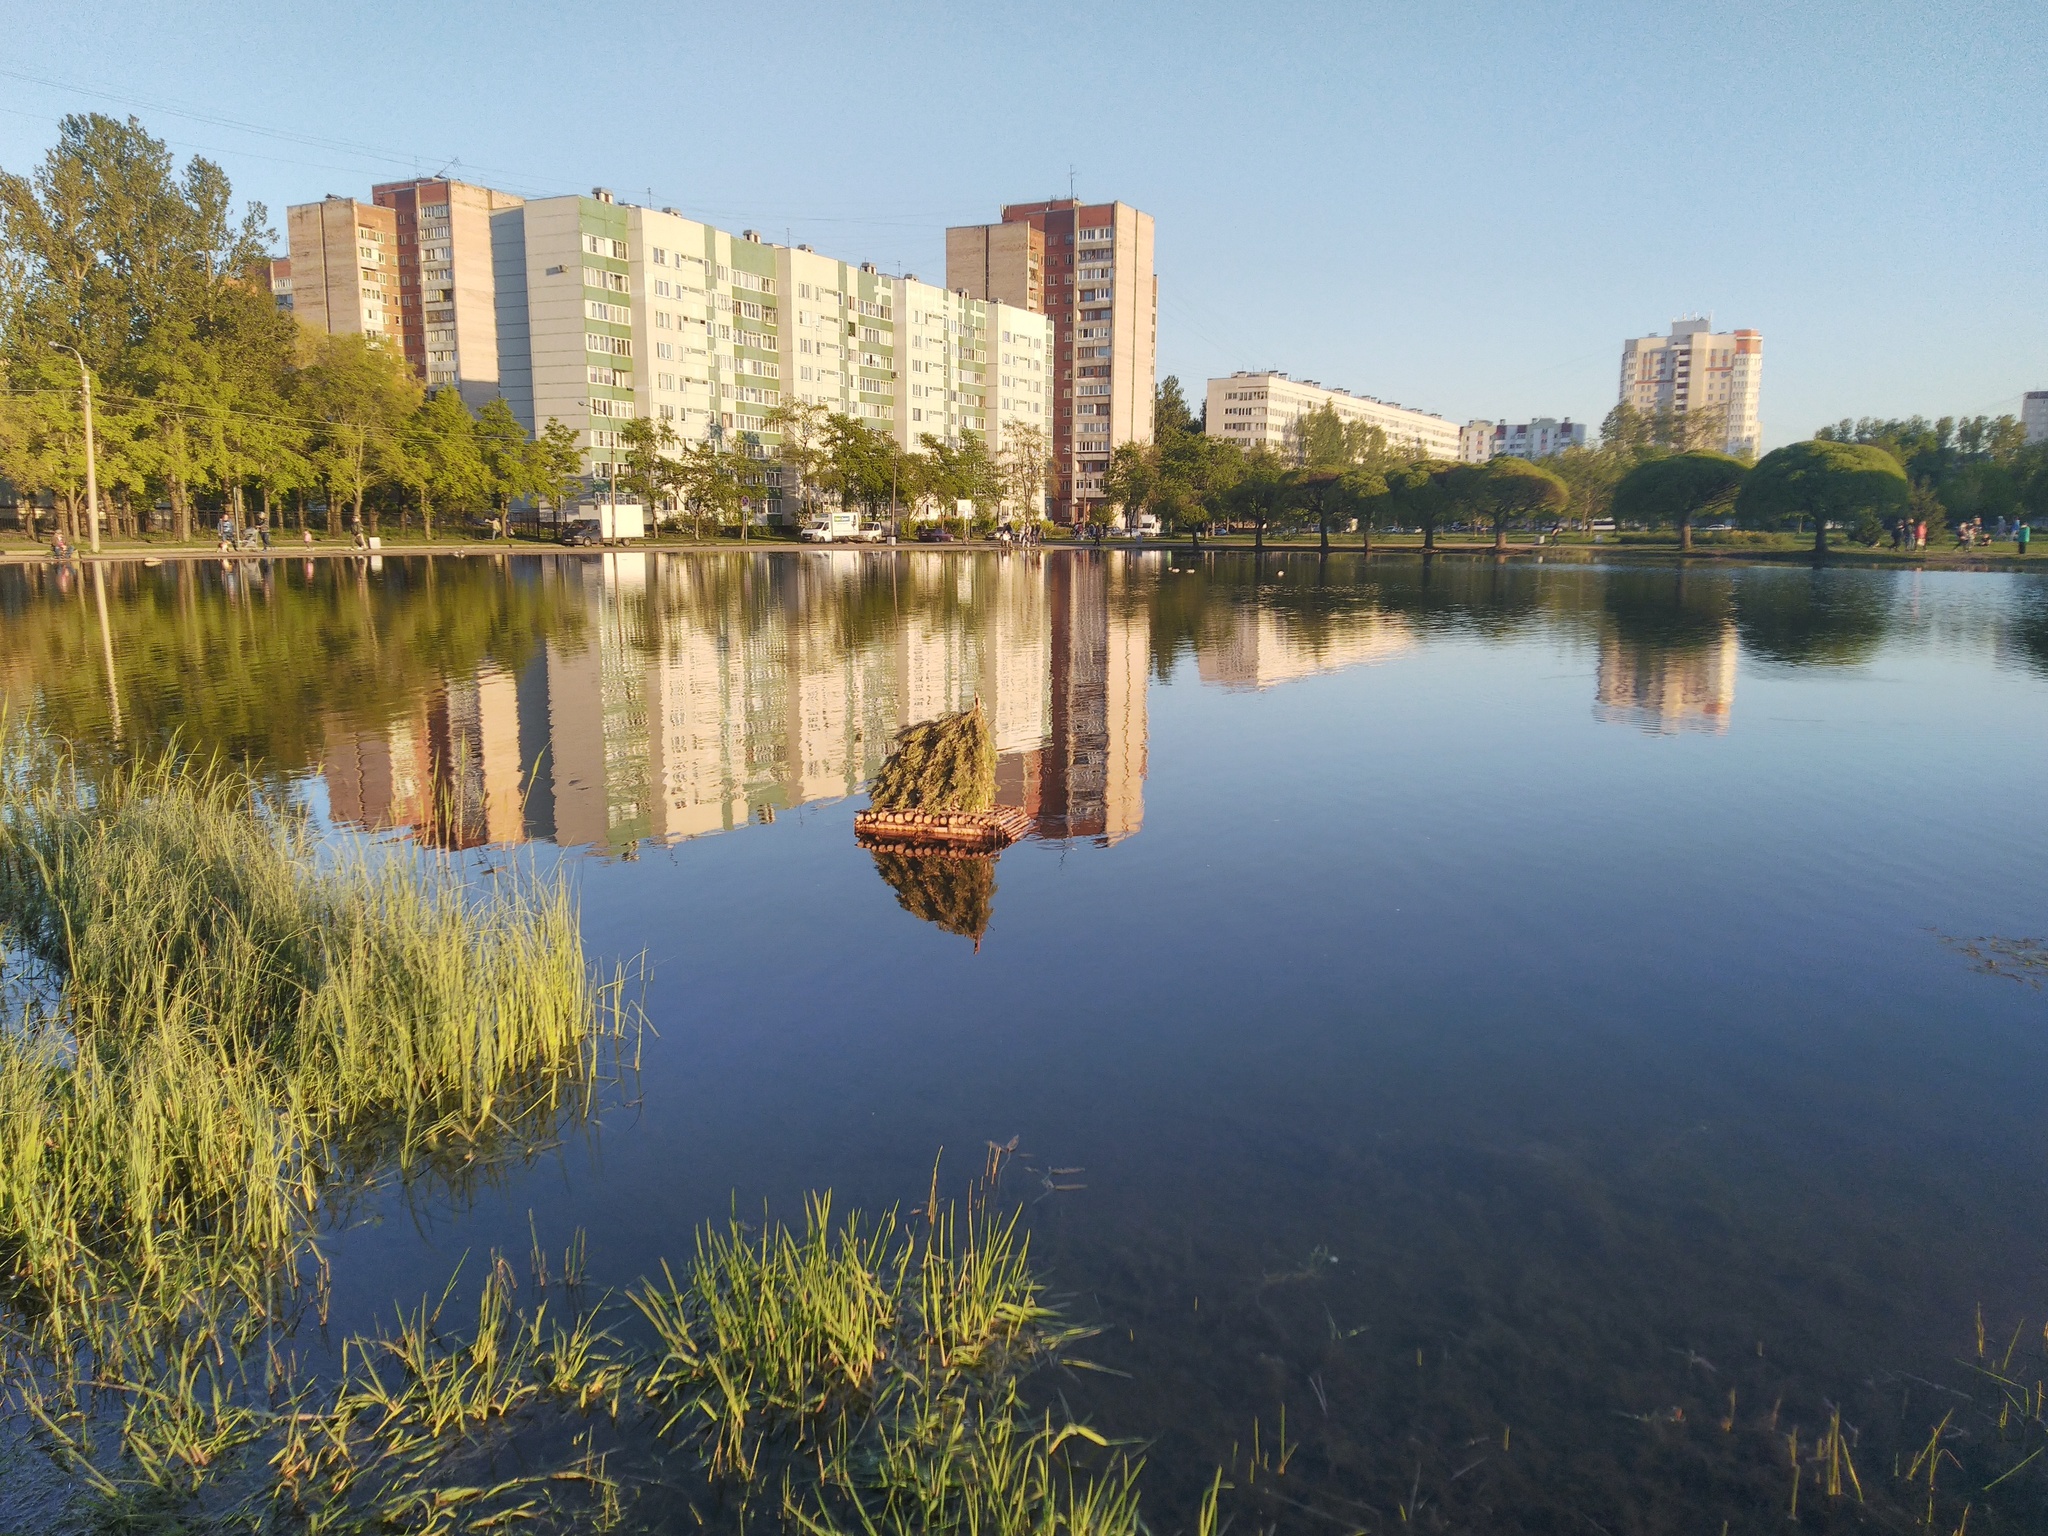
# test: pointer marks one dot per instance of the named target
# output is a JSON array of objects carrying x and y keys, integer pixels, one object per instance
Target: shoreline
[{"x": 1579, "y": 554}]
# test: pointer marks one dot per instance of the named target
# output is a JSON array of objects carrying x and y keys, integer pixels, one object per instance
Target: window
[
  {"x": 664, "y": 350},
  {"x": 615, "y": 346},
  {"x": 660, "y": 257},
  {"x": 610, "y": 282}
]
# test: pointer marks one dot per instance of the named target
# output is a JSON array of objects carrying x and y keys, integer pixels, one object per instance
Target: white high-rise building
[
  {"x": 1695, "y": 371},
  {"x": 2034, "y": 415},
  {"x": 1537, "y": 439},
  {"x": 1260, "y": 409}
]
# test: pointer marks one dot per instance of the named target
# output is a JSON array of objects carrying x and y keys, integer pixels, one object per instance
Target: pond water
[{"x": 1488, "y": 1012}]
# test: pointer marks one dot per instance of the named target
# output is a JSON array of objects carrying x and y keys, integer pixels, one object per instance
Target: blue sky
[{"x": 1460, "y": 207}]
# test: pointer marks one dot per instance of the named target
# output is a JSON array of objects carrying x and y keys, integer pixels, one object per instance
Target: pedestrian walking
[{"x": 2022, "y": 536}]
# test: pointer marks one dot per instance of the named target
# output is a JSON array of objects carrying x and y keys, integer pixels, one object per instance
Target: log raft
[{"x": 962, "y": 831}]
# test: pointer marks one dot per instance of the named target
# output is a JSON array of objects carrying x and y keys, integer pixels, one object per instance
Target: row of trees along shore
[
  {"x": 1649, "y": 470},
  {"x": 209, "y": 399}
]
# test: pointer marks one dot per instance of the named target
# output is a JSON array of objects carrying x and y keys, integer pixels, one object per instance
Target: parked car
[
  {"x": 934, "y": 533},
  {"x": 583, "y": 531}
]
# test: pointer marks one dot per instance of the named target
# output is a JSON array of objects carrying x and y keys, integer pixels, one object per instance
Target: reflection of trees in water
[
  {"x": 254, "y": 662},
  {"x": 1812, "y": 618},
  {"x": 955, "y": 891}
]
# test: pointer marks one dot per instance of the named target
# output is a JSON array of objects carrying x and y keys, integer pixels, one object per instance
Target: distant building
[
  {"x": 1475, "y": 442},
  {"x": 1696, "y": 371},
  {"x": 344, "y": 268},
  {"x": 449, "y": 262},
  {"x": 1259, "y": 409},
  {"x": 1088, "y": 267},
  {"x": 280, "y": 276},
  {"x": 2034, "y": 415},
  {"x": 1538, "y": 439}
]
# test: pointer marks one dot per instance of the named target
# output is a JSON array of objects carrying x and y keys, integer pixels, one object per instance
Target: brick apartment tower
[
  {"x": 448, "y": 280},
  {"x": 1088, "y": 267}
]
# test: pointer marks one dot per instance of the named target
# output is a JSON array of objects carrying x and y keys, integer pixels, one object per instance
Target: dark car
[
  {"x": 932, "y": 533},
  {"x": 583, "y": 531}
]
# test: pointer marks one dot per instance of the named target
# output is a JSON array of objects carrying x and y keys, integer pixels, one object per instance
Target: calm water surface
[{"x": 1499, "y": 1009}]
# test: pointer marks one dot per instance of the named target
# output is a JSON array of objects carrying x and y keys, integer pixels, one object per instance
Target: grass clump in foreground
[
  {"x": 221, "y": 1034},
  {"x": 946, "y": 764},
  {"x": 866, "y": 1377}
]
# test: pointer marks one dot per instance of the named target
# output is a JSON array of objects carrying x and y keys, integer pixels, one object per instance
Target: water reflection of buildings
[
  {"x": 703, "y": 694},
  {"x": 1659, "y": 687},
  {"x": 1253, "y": 647}
]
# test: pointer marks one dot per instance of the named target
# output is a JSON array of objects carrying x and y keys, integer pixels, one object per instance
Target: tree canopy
[
  {"x": 1825, "y": 481},
  {"x": 1671, "y": 492}
]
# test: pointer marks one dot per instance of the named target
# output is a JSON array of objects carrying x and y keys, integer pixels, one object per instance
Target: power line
[{"x": 417, "y": 162}]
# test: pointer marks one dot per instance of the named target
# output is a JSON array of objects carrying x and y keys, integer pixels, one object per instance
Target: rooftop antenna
[{"x": 1070, "y": 181}]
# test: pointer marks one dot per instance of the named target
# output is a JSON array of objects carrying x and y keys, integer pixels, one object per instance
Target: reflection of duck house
[{"x": 941, "y": 831}]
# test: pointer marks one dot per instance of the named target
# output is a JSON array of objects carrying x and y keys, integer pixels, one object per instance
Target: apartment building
[
  {"x": 1537, "y": 439},
  {"x": 639, "y": 312},
  {"x": 975, "y": 365},
  {"x": 1260, "y": 409},
  {"x": 344, "y": 268},
  {"x": 1698, "y": 371},
  {"x": 448, "y": 279},
  {"x": 2034, "y": 415},
  {"x": 277, "y": 272},
  {"x": 1089, "y": 268},
  {"x": 1475, "y": 442}
]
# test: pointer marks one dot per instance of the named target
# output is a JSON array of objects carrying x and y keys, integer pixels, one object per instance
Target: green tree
[
  {"x": 363, "y": 394},
  {"x": 1418, "y": 496},
  {"x": 507, "y": 456},
  {"x": 1822, "y": 480},
  {"x": 553, "y": 471},
  {"x": 444, "y": 463},
  {"x": 1671, "y": 492},
  {"x": 1505, "y": 490},
  {"x": 647, "y": 472},
  {"x": 1023, "y": 466},
  {"x": 1171, "y": 417},
  {"x": 1263, "y": 494},
  {"x": 804, "y": 452},
  {"x": 1317, "y": 440},
  {"x": 1132, "y": 480}
]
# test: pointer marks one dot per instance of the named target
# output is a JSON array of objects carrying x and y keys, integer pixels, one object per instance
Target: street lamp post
[{"x": 92, "y": 476}]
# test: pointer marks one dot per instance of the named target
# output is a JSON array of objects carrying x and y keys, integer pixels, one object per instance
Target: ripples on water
[{"x": 1488, "y": 1000}]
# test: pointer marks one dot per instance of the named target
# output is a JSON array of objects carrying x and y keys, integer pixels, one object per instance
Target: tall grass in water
[
  {"x": 228, "y": 1020},
  {"x": 870, "y": 1372},
  {"x": 220, "y": 1022}
]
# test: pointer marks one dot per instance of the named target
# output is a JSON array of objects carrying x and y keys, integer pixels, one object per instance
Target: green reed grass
[
  {"x": 231, "y": 1019},
  {"x": 874, "y": 1366}
]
